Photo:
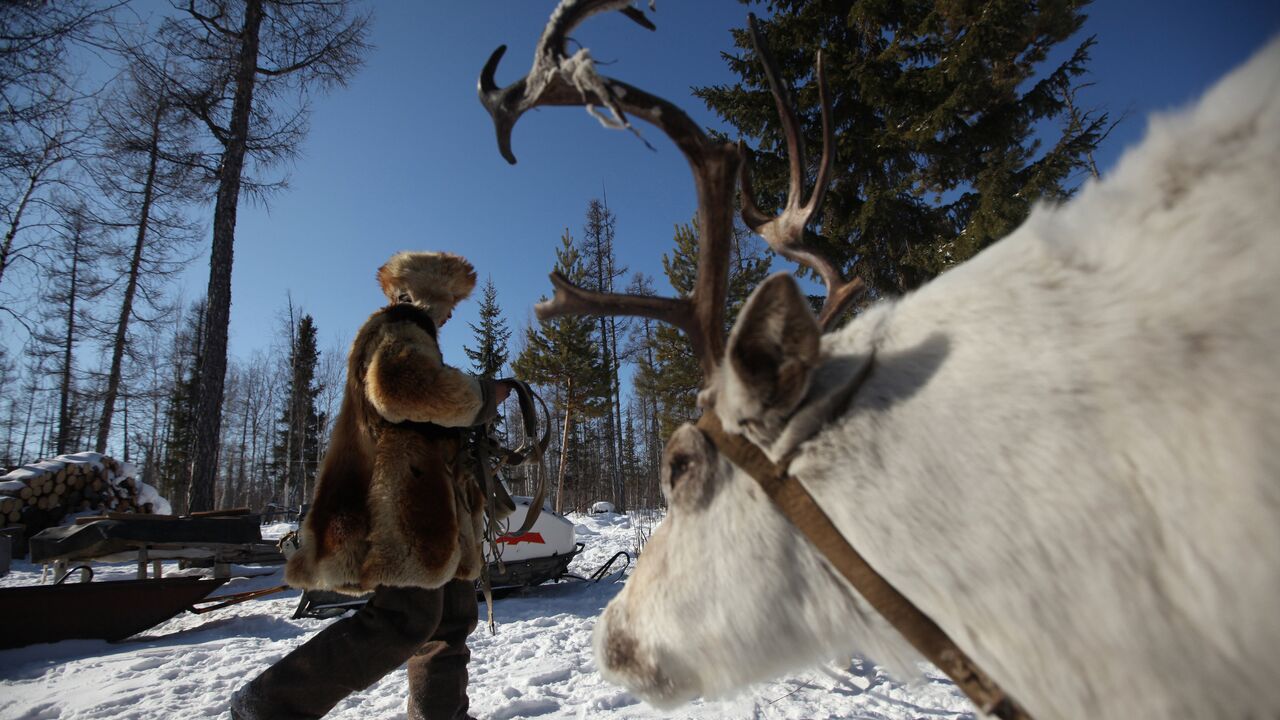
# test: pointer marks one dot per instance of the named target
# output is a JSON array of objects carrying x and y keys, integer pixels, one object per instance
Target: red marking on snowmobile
[{"x": 529, "y": 537}]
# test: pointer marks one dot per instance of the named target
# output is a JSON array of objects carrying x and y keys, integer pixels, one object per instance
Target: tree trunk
[
  {"x": 239, "y": 497},
  {"x": 26, "y": 424},
  {"x": 64, "y": 399},
  {"x": 33, "y": 181},
  {"x": 620, "y": 492},
  {"x": 204, "y": 460},
  {"x": 564, "y": 450},
  {"x": 131, "y": 287},
  {"x": 125, "y": 429}
]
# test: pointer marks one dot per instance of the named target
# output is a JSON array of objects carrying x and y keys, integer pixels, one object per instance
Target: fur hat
[{"x": 437, "y": 280}]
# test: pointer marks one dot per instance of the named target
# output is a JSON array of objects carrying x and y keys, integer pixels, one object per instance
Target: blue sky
[{"x": 404, "y": 158}]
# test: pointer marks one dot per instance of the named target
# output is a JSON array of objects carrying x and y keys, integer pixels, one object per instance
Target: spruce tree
[
  {"x": 490, "y": 354},
  {"x": 296, "y": 454},
  {"x": 936, "y": 107}
]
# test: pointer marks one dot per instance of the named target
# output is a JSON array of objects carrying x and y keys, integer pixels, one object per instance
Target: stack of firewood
[{"x": 42, "y": 494}]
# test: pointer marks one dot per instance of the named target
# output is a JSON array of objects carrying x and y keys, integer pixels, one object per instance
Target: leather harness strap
[
  {"x": 798, "y": 506},
  {"x": 498, "y": 502}
]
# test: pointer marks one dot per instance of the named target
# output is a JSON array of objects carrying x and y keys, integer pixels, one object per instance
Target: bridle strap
[{"x": 798, "y": 506}]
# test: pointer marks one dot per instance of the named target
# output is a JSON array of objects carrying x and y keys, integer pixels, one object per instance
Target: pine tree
[
  {"x": 296, "y": 455},
  {"x": 936, "y": 107},
  {"x": 490, "y": 354},
  {"x": 561, "y": 353}
]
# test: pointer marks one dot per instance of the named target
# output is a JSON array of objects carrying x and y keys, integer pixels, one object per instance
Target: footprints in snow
[
  {"x": 542, "y": 665},
  {"x": 526, "y": 708}
]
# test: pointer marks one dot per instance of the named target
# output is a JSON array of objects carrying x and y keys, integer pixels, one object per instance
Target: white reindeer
[{"x": 1065, "y": 452}]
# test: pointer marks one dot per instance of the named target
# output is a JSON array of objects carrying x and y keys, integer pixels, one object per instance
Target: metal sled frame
[{"x": 502, "y": 576}]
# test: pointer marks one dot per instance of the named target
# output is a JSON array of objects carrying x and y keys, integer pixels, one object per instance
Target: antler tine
[
  {"x": 559, "y": 79},
  {"x": 572, "y": 300},
  {"x": 786, "y": 233},
  {"x": 539, "y": 86}
]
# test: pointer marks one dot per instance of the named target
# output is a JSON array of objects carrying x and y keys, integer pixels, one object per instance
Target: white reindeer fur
[{"x": 1067, "y": 453}]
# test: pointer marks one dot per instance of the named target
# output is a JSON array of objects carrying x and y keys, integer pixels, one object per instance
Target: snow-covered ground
[{"x": 539, "y": 664}]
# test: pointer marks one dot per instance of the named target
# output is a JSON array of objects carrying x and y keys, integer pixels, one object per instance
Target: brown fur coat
[{"x": 396, "y": 502}]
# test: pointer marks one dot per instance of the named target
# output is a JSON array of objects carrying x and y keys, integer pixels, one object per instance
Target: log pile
[{"x": 42, "y": 494}]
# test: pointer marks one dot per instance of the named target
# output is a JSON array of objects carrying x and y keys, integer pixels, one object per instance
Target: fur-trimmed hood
[{"x": 436, "y": 280}]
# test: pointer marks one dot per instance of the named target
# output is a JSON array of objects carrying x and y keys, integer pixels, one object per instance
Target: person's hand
[{"x": 501, "y": 389}]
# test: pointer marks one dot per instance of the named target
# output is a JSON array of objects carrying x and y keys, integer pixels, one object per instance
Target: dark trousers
[{"x": 428, "y": 628}]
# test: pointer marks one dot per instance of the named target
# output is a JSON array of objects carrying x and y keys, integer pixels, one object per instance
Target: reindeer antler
[
  {"x": 557, "y": 78},
  {"x": 787, "y": 232}
]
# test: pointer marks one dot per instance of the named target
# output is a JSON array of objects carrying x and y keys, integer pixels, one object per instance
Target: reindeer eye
[
  {"x": 680, "y": 464},
  {"x": 684, "y": 466}
]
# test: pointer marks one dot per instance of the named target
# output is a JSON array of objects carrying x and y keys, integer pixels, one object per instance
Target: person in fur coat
[{"x": 397, "y": 511}]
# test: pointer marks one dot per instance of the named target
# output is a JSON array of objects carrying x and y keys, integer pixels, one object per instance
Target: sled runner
[{"x": 109, "y": 611}]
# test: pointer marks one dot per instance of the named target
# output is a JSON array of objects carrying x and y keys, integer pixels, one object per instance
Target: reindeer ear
[{"x": 774, "y": 345}]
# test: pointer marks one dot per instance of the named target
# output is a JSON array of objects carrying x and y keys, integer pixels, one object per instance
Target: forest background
[{"x": 121, "y": 188}]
